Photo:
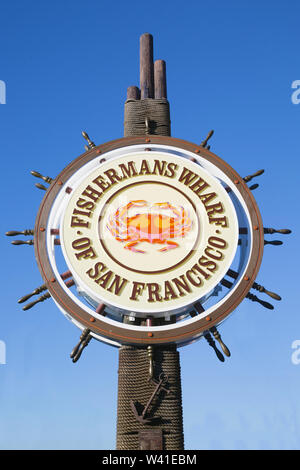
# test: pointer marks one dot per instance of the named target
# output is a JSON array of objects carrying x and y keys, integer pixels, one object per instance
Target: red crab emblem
[{"x": 150, "y": 226}]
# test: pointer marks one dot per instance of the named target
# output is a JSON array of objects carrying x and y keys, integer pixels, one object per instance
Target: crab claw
[
  {"x": 138, "y": 203},
  {"x": 130, "y": 246},
  {"x": 171, "y": 246}
]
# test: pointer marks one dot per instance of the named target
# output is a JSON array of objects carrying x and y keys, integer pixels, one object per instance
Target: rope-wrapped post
[
  {"x": 166, "y": 412},
  {"x": 154, "y": 111},
  {"x": 147, "y": 112}
]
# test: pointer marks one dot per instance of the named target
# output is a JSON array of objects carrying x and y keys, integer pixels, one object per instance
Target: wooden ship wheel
[{"x": 148, "y": 243}]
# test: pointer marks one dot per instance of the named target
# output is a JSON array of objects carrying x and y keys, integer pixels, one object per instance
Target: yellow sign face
[{"x": 149, "y": 232}]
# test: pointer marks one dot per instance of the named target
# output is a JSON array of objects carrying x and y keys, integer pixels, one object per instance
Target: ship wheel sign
[{"x": 145, "y": 228}]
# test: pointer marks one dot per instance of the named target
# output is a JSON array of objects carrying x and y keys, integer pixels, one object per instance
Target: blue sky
[{"x": 230, "y": 67}]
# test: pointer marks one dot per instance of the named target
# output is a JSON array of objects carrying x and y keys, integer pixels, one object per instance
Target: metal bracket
[{"x": 150, "y": 439}]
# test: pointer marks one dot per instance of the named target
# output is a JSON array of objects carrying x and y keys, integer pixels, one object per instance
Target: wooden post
[
  {"x": 137, "y": 364},
  {"x": 160, "y": 80},
  {"x": 133, "y": 93},
  {"x": 146, "y": 66}
]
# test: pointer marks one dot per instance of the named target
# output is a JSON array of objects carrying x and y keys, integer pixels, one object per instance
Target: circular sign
[
  {"x": 148, "y": 227},
  {"x": 149, "y": 232}
]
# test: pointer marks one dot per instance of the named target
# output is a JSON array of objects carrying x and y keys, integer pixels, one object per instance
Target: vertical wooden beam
[
  {"x": 135, "y": 362},
  {"x": 146, "y": 66},
  {"x": 160, "y": 79},
  {"x": 133, "y": 93}
]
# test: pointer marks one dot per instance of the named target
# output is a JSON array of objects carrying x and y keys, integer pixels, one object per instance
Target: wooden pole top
[
  {"x": 160, "y": 79},
  {"x": 153, "y": 79},
  {"x": 133, "y": 93},
  {"x": 146, "y": 66}
]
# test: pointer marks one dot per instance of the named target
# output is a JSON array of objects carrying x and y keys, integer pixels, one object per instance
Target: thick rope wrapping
[
  {"x": 142, "y": 117},
  {"x": 138, "y": 111},
  {"x": 134, "y": 384}
]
